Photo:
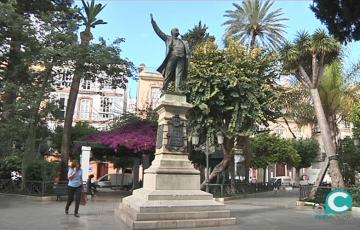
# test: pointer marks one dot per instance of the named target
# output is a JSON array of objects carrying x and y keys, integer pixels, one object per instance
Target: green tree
[
  {"x": 349, "y": 158},
  {"x": 338, "y": 94},
  {"x": 340, "y": 17},
  {"x": 308, "y": 150},
  {"x": 89, "y": 20},
  {"x": 298, "y": 107},
  {"x": 253, "y": 24},
  {"x": 306, "y": 58},
  {"x": 19, "y": 33},
  {"x": 355, "y": 119},
  {"x": 231, "y": 90},
  {"x": 197, "y": 35},
  {"x": 38, "y": 35},
  {"x": 270, "y": 149}
]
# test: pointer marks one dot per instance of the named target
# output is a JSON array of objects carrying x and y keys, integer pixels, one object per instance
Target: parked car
[
  {"x": 281, "y": 181},
  {"x": 115, "y": 180}
]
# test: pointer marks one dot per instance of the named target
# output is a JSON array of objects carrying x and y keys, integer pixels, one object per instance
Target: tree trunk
[
  {"x": 253, "y": 41},
  {"x": 319, "y": 179},
  {"x": 288, "y": 126},
  {"x": 297, "y": 176},
  {"x": 224, "y": 164},
  {"x": 333, "y": 128},
  {"x": 264, "y": 175},
  {"x": 65, "y": 144},
  {"x": 245, "y": 145},
  {"x": 232, "y": 175},
  {"x": 329, "y": 146},
  {"x": 31, "y": 151}
]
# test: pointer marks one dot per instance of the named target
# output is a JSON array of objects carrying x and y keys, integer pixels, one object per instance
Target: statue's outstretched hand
[{"x": 151, "y": 15}]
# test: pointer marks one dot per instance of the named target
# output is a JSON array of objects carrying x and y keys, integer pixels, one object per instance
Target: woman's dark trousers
[{"x": 74, "y": 191}]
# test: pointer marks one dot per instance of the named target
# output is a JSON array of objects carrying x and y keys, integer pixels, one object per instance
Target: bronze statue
[{"x": 174, "y": 67}]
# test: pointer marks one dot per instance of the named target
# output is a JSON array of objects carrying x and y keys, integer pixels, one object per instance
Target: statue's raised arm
[{"x": 157, "y": 30}]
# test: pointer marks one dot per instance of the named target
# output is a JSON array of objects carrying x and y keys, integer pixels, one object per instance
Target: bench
[{"x": 60, "y": 190}]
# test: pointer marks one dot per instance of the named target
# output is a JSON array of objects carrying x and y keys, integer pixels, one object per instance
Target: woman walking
[{"x": 74, "y": 187}]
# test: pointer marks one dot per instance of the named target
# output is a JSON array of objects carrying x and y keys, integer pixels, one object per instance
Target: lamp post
[
  {"x": 205, "y": 148},
  {"x": 356, "y": 142}
]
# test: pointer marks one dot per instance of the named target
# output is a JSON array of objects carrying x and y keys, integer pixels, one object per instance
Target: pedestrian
[
  {"x": 91, "y": 185},
  {"x": 74, "y": 187}
]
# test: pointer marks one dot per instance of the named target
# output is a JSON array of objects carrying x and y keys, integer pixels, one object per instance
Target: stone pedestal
[{"x": 171, "y": 195}]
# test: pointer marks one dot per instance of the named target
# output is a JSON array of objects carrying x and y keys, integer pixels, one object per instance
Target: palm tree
[
  {"x": 306, "y": 59},
  {"x": 89, "y": 21},
  {"x": 338, "y": 96},
  {"x": 253, "y": 23}
]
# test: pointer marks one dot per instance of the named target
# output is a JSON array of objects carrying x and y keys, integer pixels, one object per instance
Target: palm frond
[{"x": 253, "y": 18}]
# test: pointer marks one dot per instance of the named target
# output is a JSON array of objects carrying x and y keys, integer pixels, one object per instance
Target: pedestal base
[
  {"x": 171, "y": 196},
  {"x": 161, "y": 209}
]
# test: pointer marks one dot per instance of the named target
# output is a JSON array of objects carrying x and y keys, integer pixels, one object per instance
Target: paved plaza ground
[{"x": 266, "y": 211}]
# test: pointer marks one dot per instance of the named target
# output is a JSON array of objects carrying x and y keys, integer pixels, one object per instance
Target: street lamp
[
  {"x": 205, "y": 148},
  {"x": 356, "y": 142}
]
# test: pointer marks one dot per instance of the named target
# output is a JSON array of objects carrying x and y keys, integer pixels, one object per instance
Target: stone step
[
  {"x": 175, "y": 215},
  {"x": 155, "y": 206},
  {"x": 171, "y": 224},
  {"x": 183, "y": 215},
  {"x": 173, "y": 195},
  {"x": 197, "y": 223}
]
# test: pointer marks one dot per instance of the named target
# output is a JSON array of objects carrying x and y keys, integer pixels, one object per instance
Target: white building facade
[{"x": 98, "y": 104}]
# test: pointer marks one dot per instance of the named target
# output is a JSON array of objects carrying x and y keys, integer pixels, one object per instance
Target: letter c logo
[{"x": 338, "y": 202}]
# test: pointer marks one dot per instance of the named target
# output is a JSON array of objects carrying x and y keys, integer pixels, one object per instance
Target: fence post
[{"x": 42, "y": 187}]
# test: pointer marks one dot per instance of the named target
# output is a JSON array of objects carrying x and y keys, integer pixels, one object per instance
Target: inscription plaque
[{"x": 176, "y": 134}]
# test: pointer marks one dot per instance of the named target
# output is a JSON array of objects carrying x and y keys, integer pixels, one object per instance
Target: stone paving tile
[{"x": 264, "y": 212}]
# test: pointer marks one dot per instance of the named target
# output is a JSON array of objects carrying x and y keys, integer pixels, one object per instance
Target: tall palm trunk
[
  {"x": 329, "y": 145},
  {"x": 70, "y": 107},
  {"x": 253, "y": 41},
  {"x": 66, "y": 137}
]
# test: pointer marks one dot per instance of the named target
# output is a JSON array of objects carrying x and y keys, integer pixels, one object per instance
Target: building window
[
  {"x": 347, "y": 124},
  {"x": 86, "y": 85},
  {"x": 107, "y": 106},
  {"x": 155, "y": 96},
  {"x": 62, "y": 106},
  {"x": 66, "y": 79},
  {"x": 280, "y": 132},
  {"x": 84, "y": 109}
]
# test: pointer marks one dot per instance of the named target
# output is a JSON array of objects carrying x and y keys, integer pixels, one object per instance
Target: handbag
[{"x": 83, "y": 198}]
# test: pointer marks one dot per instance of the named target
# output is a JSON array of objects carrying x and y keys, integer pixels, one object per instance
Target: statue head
[{"x": 175, "y": 32}]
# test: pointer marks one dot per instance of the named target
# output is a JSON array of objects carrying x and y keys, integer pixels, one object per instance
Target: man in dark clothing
[{"x": 174, "y": 67}]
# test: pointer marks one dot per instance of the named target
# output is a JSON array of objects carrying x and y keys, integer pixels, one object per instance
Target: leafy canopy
[
  {"x": 232, "y": 89},
  {"x": 270, "y": 149},
  {"x": 308, "y": 150},
  {"x": 341, "y": 18}
]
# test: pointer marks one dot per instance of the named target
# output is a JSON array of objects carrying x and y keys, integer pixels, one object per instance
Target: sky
[{"x": 130, "y": 19}]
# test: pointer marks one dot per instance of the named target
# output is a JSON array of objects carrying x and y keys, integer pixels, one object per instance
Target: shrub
[
  {"x": 355, "y": 191},
  {"x": 9, "y": 164},
  {"x": 42, "y": 170}
]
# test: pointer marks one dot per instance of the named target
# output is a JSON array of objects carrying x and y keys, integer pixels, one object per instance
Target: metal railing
[
  {"x": 221, "y": 190},
  {"x": 33, "y": 188},
  {"x": 320, "y": 195}
]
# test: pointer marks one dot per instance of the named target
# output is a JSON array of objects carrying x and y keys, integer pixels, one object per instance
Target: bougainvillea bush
[{"x": 137, "y": 137}]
